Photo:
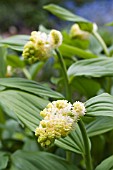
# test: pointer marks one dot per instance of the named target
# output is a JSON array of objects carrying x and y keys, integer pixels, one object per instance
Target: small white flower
[{"x": 78, "y": 109}]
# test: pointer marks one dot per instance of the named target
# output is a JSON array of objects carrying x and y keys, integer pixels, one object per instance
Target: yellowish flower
[
  {"x": 41, "y": 45},
  {"x": 79, "y": 109},
  {"x": 59, "y": 120}
]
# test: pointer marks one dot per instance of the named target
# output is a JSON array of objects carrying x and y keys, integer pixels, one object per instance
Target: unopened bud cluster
[
  {"x": 59, "y": 119},
  {"x": 41, "y": 45},
  {"x": 76, "y": 32}
]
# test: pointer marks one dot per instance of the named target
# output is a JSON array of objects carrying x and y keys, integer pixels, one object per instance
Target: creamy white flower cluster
[
  {"x": 60, "y": 118},
  {"x": 41, "y": 45}
]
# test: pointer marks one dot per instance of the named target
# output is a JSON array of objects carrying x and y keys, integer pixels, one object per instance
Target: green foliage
[
  {"x": 3, "y": 160},
  {"x": 81, "y": 70},
  {"x": 41, "y": 160},
  {"x": 92, "y": 68},
  {"x": 66, "y": 15},
  {"x": 106, "y": 164},
  {"x": 100, "y": 105},
  {"x": 73, "y": 142}
]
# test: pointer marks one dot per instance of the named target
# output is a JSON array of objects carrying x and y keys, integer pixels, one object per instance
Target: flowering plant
[{"x": 56, "y": 103}]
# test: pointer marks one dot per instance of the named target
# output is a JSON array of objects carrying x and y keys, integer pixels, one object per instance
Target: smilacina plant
[{"x": 56, "y": 117}]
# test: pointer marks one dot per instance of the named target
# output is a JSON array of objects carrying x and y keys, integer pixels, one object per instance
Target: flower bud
[
  {"x": 55, "y": 38},
  {"x": 76, "y": 32},
  {"x": 79, "y": 108},
  {"x": 41, "y": 45}
]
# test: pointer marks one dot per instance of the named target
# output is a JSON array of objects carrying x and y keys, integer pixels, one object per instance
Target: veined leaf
[
  {"x": 101, "y": 105},
  {"x": 96, "y": 67},
  {"x": 107, "y": 164},
  {"x": 23, "y": 160},
  {"x": 68, "y": 50},
  {"x": 99, "y": 125},
  {"x": 16, "y": 42},
  {"x": 29, "y": 86},
  {"x": 25, "y": 100},
  {"x": 73, "y": 142},
  {"x": 69, "y": 16},
  {"x": 26, "y": 106}
]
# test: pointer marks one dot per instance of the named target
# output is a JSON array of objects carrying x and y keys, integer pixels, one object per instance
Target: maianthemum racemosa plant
[
  {"x": 56, "y": 119},
  {"x": 60, "y": 116}
]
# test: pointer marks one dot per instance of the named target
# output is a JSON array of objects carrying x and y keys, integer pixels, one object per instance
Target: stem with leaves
[{"x": 87, "y": 155}]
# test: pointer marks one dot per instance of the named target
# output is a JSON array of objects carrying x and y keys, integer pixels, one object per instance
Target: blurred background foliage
[{"x": 23, "y": 16}]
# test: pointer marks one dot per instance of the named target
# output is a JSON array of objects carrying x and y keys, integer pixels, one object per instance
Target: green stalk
[
  {"x": 64, "y": 71},
  {"x": 87, "y": 155},
  {"x": 67, "y": 92},
  {"x": 26, "y": 73},
  {"x": 101, "y": 41}
]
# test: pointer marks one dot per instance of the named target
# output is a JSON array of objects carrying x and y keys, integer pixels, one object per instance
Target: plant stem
[
  {"x": 87, "y": 155},
  {"x": 27, "y": 74},
  {"x": 66, "y": 81},
  {"x": 101, "y": 41},
  {"x": 67, "y": 91}
]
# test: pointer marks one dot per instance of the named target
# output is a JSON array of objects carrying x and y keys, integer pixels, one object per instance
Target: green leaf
[
  {"x": 96, "y": 67},
  {"x": 107, "y": 164},
  {"x": 35, "y": 68},
  {"x": 15, "y": 61},
  {"x": 84, "y": 86},
  {"x": 69, "y": 16},
  {"x": 3, "y": 160},
  {"x": 22, "y": 100},
  {"x": 101, "y": 105},
  {"x": 73, "y": 142},
  {"x": 94, "y": 46},
  {"x": 30, "y": 86},
  {"x": 16, "y": 42},
  {"x": 3, "y": 66},
  {"x": 22, "y": 160},
  {"x": 24, "y": 105},
  {"x": 68, "y": 50},
  {"x": 99, "y": 125}
]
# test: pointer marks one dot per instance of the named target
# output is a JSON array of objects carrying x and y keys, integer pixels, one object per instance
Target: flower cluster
[
  {"x": 60, "y": 118},
  {"x": 76, "y": 32},
  {"x": 41, "y": 45}
]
